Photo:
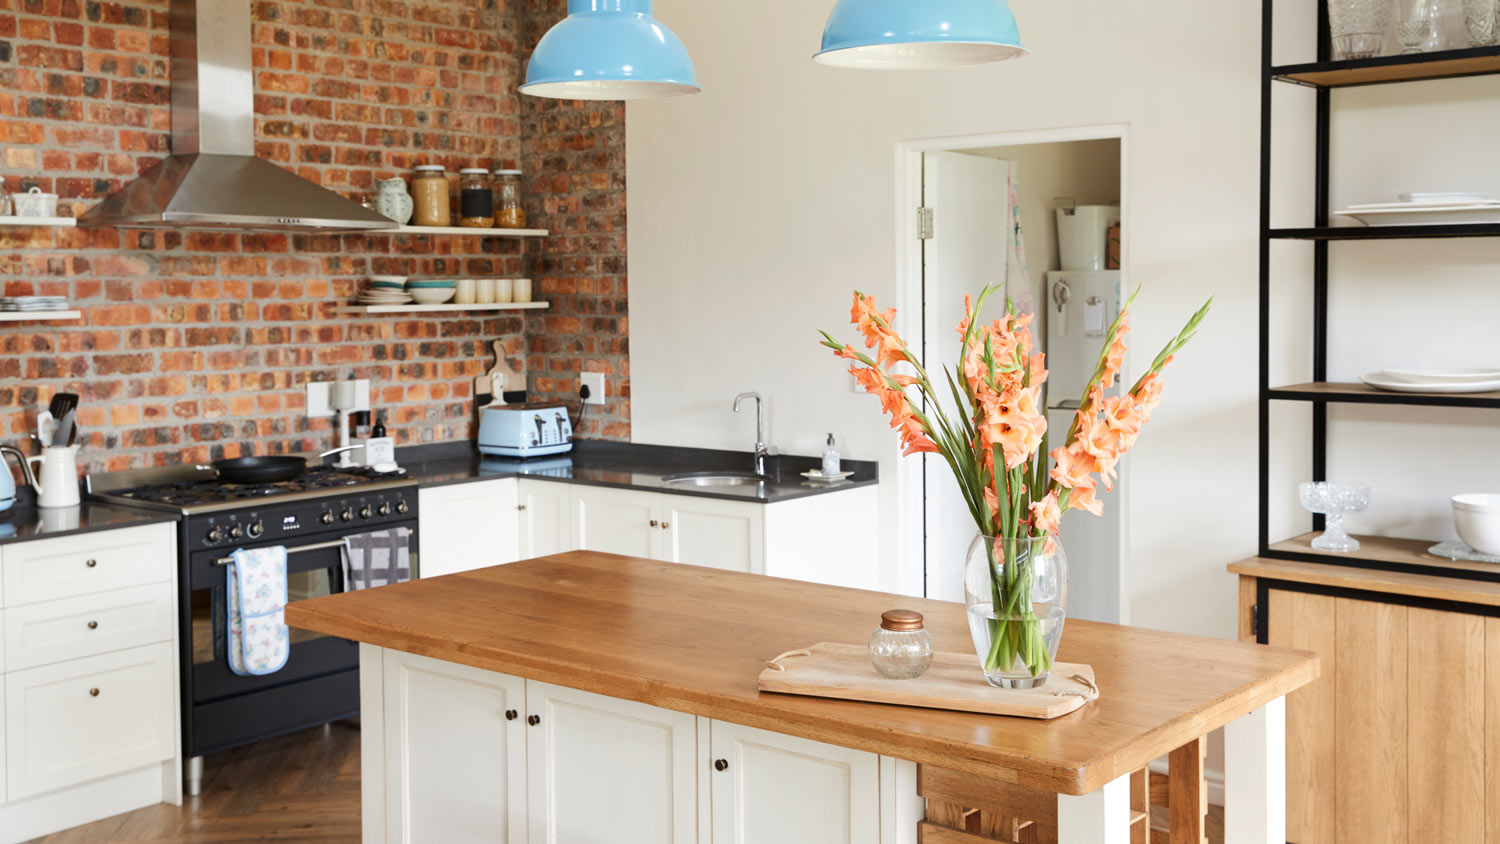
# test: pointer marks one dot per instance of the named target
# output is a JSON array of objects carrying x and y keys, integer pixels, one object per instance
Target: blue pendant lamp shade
[
  {"x": 609, "y": 50},
  {"x": 919, "y": 34}
]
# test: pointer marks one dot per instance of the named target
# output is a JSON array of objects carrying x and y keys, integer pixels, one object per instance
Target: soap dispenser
[{"x": 831, "y": 458}]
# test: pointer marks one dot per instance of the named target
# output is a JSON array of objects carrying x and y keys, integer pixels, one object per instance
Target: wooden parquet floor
[{"x": 297, "y": 789}]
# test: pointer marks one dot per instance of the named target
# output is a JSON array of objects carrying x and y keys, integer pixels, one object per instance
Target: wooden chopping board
[{"x": 953, "y": 682}]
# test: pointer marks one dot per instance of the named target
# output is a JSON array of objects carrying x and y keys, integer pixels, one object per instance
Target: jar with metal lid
[
  {"x": 429, "y": 193},
  {"x": 508, "y": 212},
  {"x": 476, "y": 202},
  {"x": 900, "y": 648}
]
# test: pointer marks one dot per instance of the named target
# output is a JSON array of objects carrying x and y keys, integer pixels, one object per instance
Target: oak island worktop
[{"x": 689, "y": 642}]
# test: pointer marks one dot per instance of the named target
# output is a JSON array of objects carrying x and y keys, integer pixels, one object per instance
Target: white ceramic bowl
[
  {"x": 1476, "y": 515},
  {"x": 387, "y": 280},
  {"x": 431, "y": 295}
]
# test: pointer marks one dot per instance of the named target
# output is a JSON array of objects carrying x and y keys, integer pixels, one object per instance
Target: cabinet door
[
  {"x": 616, "y": 521},
  {"x": 1445, "y": 726},
  {"x": 546, "y": 519},
  {"x": 456, "y": 749},
  {"x": 467, "y": 526},
  {"x": 604, "y": 769},
  {"x": 713, "y": 532},
  {"x": 789, "y": 790},
  {"x": 1370, "y": 799},
  {"x": 1306, "y": 622}
]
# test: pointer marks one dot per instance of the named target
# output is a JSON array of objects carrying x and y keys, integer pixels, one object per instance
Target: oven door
[{"x": 309, "y": 574}]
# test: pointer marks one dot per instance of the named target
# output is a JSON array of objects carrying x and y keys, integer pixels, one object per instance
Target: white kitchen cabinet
[
  {"x": 774, "y": 787},
  {"x": 616, "y": 521},
  {"x": 606, "y": 769},
  {"x": 713, "y": 532},
  {"x": 467, "y": 526},
  {"x": 546, "y": 523},
  {"x": 86, "y": 563},
  {"x": 458, "y": 734}
]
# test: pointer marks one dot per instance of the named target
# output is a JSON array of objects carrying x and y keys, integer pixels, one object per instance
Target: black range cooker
[{"x": 310, "y": 515}]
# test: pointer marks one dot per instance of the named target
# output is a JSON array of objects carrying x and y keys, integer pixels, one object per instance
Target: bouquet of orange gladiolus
[{"x": 996, "y": 444}]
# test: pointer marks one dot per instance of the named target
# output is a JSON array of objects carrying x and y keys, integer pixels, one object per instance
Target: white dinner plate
[
  {"x": 1444, "y": 197},
  {"x": 813, "y": 475},
  {"x": 1425, "y": 215},
  {"x": 1434, "y": 380}
]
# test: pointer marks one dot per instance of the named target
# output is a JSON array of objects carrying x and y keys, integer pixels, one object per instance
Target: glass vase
[
  {"x": 1482, "y": 22},
  {"x": 1017, "y": 596},
  {"x": 1358, "y": 27},
  {"x": 1417, "y": 25}
]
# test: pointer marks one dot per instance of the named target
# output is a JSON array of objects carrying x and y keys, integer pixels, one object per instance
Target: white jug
[{"x": 56, "y": 481}]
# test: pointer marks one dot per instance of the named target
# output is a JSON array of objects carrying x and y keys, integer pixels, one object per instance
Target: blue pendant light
[
  {"x": 609, "y": 50},
  {"x": 919, "y": 34}
]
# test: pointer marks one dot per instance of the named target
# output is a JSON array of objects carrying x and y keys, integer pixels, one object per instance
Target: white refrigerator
[{"x": 1079, "y": 308}]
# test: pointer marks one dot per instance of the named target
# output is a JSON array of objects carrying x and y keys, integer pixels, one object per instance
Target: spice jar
[
  {"x": 508, "y": 213},
  {"x": 900, "y": 648},
  {"x": 476, "y": 204},
  {"x": 429, "y": 193}
]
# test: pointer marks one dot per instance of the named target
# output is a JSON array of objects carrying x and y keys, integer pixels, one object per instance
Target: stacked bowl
[
  {"x": 385, "y": 290},
  {"x": 431, "y": 291}
]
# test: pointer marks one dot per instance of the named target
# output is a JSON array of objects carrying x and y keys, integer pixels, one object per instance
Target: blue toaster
[{"x": 525, "y": 430}]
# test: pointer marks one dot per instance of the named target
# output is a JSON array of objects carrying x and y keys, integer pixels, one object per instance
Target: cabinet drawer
[
  {"x": 54, "y": 631},
  {"x": 85, "y": 719},
  {"x": 83, "y": 564}
]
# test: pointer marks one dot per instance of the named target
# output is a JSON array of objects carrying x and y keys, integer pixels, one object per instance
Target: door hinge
[
  {"x": 1255, "y": 622},
  {"x": 924, "y": 223}
]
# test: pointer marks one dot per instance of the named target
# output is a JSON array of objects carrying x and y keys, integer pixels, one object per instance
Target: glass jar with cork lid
[
  {"x": 429, "y": 193},
  {"x": 476, "y": 203},
  {"x": 508, "y": 211}
]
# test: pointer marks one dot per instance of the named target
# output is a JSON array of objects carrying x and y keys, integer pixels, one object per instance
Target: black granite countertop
[
  {"x": 25, "y": 521},
  {"x": 631, "y": 466}
]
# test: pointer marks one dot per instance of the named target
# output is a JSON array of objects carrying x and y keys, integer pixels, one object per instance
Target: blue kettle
[{"x": 7, "y": 480}]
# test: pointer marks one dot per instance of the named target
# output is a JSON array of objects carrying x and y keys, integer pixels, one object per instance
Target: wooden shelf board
[
  {"x": 1436, "y": 587},
  {"x": 1386, "y": 550},
  {"x": 1388, "y": 69},
  {"x": 415, "y": 308},
  {"x": 1356, "y": 393},
  {"x": 40, "y": 316},
  {"x": 1386, "y": 232},
  {"x": 58, "y": 222},
  {"x": 464, "y": 231}
]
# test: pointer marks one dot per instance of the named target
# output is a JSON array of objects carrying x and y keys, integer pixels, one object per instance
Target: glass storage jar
[
  {"x": 476, "y": 204},
  {"x": 508, "y": 212},
  {"x": 429, "y": 193},
  {"x": 900, "y": 648}
]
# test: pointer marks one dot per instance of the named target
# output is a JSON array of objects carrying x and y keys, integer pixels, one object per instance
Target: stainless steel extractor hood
[{"x": 213, "y": 179}]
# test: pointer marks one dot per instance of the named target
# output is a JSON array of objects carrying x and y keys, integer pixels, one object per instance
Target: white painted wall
[{"x": 756, "y": 206}]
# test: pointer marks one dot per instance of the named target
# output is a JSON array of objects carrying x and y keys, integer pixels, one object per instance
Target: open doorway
[{"x": 1043, "y": 213}]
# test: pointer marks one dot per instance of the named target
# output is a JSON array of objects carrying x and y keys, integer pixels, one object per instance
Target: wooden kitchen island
[{"x": 588, "y": 697}]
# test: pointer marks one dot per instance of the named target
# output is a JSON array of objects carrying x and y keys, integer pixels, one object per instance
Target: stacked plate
[
  {"x": 385, "y": 290},
  {"x": 1418, "y": 209},
  {"x": 33, "y": 303},
  {"x": 1434, "y": 380}
]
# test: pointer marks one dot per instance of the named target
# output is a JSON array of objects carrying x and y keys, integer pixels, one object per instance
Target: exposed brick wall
[
  {"x": 197, "y": 344},
  {"x": 573, "y": 153}
]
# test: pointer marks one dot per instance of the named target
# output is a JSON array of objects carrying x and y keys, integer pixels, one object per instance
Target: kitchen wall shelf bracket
[
  {"x": 40, "y": 316},
  {"x": 359, "y": 310},
  {"x": 464, "y": 231},
  {"x": 54, "y": 222}
]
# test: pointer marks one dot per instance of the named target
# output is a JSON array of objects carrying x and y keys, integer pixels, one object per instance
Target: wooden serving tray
[{"x": 953, "y": 682}]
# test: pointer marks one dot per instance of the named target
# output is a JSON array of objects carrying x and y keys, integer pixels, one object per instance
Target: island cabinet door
[
  {"x": 773, "y": 787},
  {"x": 617, "y": 521},
  {"x": 604, "y": 769},
  {"x": 713, "y": 532},
  {"x": 455, "y": 741},
  {"x": 545, "y": 518},
  {"x": 467, "y": 526}
]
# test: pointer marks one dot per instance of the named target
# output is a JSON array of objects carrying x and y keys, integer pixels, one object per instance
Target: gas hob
[{"x": 197, "y": 489}]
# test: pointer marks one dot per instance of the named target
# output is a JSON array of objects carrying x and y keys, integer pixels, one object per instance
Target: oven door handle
[{"x": 316, "y": 546}]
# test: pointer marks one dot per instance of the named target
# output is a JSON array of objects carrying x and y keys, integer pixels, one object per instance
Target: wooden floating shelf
[
  {"x": 1383, "y": 70},
  {"x": 414, "y": 308},
  {"x": 1387, "y": 232},
  {"x": 40, "y": 316},
  {"x": 1387, "y": 552},
  {"x": 56, "y": 222},
  {"x": 1353, "y": 393},
  {"x": 464, "y": 231}
]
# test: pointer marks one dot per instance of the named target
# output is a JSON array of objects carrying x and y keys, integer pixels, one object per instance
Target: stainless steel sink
[{"x": 715, "y": 479}]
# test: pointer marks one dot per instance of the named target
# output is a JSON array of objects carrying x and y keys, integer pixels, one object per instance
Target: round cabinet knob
[
  {"x": 520, "y": 506},
  {"x": 213, "y": 534},
  {"x": 93, "y": 692},
  {"x": 511, "y": 714},
  {"x": 257, "y": 528},
  {"x": 348, "y": 514},
  {"x": 666, "y": 525},
  {"x": 365, "y": 512},
  {"x": 235, "y": 531},
  {"x": 654, "y": 523},
  {"x": 401, "y": 506},
  {"x": 93, "y": 625},
  {"x": 327, "y": 517},
  {"x": 721, "y": 764},
  {"x": 385, "y": 508},
  {"x": 92, "y": 563},
  {"x": 533, "y": 720}
]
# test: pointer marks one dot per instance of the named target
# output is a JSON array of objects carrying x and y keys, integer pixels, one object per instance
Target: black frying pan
[{"x": 266, "y": 469}]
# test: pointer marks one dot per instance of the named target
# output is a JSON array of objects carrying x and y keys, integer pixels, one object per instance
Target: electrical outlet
[
  {"x": 595, "y": 382},
  {"x": 317, "y": 397}
]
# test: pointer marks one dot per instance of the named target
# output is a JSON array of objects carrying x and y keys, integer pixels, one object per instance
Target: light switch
[{"x": 1093, "y": 317}]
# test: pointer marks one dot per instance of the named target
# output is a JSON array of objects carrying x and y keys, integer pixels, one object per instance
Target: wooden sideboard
[{"x": 1398, "y": 740}]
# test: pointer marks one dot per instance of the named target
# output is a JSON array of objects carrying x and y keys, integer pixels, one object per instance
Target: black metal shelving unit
[{"x": 1325, "y": 76}]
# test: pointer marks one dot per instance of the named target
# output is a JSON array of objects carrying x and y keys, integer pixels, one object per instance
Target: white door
[
  {"x": 969, "y": 197},
  {"x": 616, "y": 521},
  {"x": 456, "y": 743},
  {"x": 769, "y": 787},
  {"x": 607, "y": 771},
  {"x": 545, "y": 519},
  {"x": 713, "y": 532},
  {"x": 467, "y": 526}
]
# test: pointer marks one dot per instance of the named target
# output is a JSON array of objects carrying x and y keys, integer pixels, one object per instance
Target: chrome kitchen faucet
[{"x": 760, "y": 427}]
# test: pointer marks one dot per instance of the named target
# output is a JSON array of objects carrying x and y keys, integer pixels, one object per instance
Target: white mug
[
  {"x": 56, "y": 480},
  {"x": 485, "y": 292},
  {"x": 522, "y": 290},
  {"x": 503, "y": 290},
  {"x": 465, "y": 291}
]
